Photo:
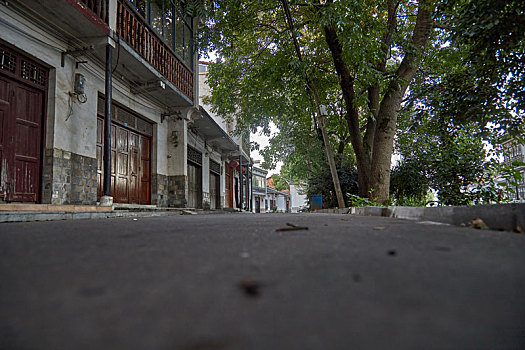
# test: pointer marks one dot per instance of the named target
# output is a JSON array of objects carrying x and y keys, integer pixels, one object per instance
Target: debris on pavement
[
  {"x": 379, "y": 228},
  {"x": 392, "y": 252},
  {"x": 292, "y": 227},
  {"x": 479, "y": 224},
  {"x": 443, "y": 249},
  {"x": 518, "y": 229},
  {"x": 244, "y": 255},
  {"x": 356, "y": 277},
  {"x": 187, "y": 212},
  {"x": 250, "y": 288}
]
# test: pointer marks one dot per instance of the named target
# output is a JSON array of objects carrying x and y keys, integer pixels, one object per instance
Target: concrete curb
[
  {"x": 496, "y": 216},
  {"x": 26, "y": 216}
]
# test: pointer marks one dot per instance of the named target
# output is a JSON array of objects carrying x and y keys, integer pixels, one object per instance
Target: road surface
[{"x": 207, "y": 282}]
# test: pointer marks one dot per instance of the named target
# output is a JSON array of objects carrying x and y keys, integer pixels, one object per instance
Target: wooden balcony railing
[
  {"x": 99, "y": 7},
  {"x": 136, "y": 33}
]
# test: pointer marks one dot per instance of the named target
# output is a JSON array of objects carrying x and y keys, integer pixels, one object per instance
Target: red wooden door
[
  {"x": 130, "y": 164},
  {"x": 21, "y": 141},
  {"x": 4, "y": 115},
  {"x": 145, "y": 170},
  {"x": 121, "y": 170},
  {"x": 228, "y": 185}
]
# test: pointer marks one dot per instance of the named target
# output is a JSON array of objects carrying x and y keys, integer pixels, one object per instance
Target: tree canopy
[{"x": 456, "y": 63}]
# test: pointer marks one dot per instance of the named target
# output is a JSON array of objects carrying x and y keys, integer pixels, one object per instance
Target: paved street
[{"x": 207, "y": 282}]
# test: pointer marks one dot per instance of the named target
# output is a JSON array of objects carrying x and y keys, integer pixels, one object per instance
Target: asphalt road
[{"x": 208, "y": 282}]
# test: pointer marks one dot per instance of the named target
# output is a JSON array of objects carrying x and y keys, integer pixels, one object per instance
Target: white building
[
  {"x": 259, "y": 190},
  {"x": 70, "y": 69},
  {"x": 298, "y": 197},
  {"x": 234, "y": 150}
]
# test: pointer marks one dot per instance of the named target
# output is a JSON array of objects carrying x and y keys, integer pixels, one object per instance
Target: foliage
[
  {"x": 466, "y": 87},
  {"x": 280, "y": 183},
  {"x": 491, "y": 33},
  {"x": 466, "y": 97},
  {"x": 259, "y": 78},
  {"x": 356, "y": 201},
  {"x": 321, "y": 183},
  {"x": 409, "y": 185}
]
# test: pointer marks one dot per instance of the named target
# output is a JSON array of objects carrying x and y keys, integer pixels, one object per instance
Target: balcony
[
  {"x": 97, "y": 9},
  {"x": 140, "y": 56},
  {"x": 74, "y": 18},
  {"x": 258, "y": 190},
  {"x": 171, "y": 81}
]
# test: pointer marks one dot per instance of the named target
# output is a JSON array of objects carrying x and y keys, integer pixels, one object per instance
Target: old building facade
[{"x": 59, "y": 61}]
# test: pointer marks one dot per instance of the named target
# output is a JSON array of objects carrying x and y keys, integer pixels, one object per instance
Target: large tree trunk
[
  {"x": 383, "y": 147},
  {"x": 346, "y": 80},
  {"x": 391, "y": 103}
]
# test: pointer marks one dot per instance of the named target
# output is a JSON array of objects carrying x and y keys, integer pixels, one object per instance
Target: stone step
[{"x": 15, "y": 207}]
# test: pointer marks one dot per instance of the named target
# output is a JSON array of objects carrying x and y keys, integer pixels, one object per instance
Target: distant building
[
  {"x": 213, "y": 133},
  {"x": 512, "y": 152},
  {"x": 277, "y": 200},
  {"x": 298, "y": 197},
  {"x": 259, "y": 190}
]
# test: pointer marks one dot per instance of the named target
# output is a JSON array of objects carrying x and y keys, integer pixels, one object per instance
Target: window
[{"x": 168, "y": 20}]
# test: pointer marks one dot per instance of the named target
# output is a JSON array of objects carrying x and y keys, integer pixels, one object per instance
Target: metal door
[{"x": 22, "y": 113}]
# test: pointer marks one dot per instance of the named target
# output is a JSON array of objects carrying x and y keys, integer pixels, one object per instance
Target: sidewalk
[
  {"x": 501, "y": 217},
  {"x": 48, "y": 212}
]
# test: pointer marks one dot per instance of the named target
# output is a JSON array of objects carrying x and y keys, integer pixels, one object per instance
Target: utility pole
[{"x": 321, "y": 110}]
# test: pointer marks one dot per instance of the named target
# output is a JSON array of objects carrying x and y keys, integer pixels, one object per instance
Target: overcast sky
[{"x": 262, "y": 140}]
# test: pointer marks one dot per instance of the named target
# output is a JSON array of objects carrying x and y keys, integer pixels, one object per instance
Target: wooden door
[
  {"x": 228, "y": 172},
  {"x": 130, "y": 164},
  {"x": 22, "y": 113},
  {"x": 194, "y": 186},
  {"x": 214, "y": 186},
  {"x": 120, "y": 172},
  {"x": 5, "y": 163},
  {"x": 145, "y": 170}
]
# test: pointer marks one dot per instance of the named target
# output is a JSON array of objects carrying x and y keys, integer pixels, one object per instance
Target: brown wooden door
[
  {"x": 22, "y": 112},
  {"x": 228, "y": 190},
  {"x": 214, "y": 186},
  {"x": 145, "y": 170},
  {"x": 4, "y": 115},
  {"x": 130, "y": 164}
]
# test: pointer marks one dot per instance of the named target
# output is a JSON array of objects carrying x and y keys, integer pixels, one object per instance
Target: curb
[{"x": 496, "y": 216}]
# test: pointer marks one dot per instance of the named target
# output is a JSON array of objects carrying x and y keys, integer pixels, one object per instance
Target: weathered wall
[{"x": 71, "y": 126}]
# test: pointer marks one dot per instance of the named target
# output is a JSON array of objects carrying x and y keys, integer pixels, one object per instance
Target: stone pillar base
[{"x": 106, "y": 201}]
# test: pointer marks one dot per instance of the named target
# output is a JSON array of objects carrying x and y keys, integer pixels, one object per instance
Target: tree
[
  {"x": 372, "y": 65},
  {"x": 467, "y": 95}
]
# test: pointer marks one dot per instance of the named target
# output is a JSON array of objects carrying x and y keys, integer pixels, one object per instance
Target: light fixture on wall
[{"x": 79, "y": 88}]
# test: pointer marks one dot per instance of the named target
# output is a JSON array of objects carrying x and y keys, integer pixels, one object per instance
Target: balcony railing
[
  {"x": 99, "y": 7},
  {"x": 137, "y": 34}
]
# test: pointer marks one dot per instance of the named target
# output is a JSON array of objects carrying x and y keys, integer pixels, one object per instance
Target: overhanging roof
[{"x": 214, "y": 135}]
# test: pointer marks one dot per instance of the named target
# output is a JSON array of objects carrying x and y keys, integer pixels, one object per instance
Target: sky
[
  {"x": 258, "y": 137},
  {"x": 263, "y": 141}
]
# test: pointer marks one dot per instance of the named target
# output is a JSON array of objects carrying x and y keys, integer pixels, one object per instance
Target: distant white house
[
  {"x": 298, "y": 196},
  {"x": 277, "y": 201}
]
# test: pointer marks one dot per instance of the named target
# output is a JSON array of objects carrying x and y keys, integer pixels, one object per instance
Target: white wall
[
  {"x": 72, "y": 125},
  {"x": 296, "y": 198}
]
